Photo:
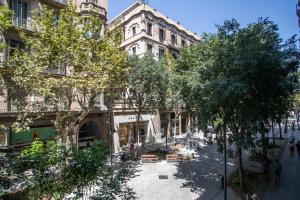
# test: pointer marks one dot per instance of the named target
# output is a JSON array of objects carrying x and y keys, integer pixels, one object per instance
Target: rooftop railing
[{"x": 90, "y": 6}]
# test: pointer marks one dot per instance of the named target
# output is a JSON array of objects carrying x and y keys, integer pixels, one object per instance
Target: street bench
[
  {"x": 173, "y": 158},
  {"x": 150, "y": 158}
]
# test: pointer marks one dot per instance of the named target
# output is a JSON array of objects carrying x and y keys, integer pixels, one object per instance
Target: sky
[{"x": 202, "y": 15}]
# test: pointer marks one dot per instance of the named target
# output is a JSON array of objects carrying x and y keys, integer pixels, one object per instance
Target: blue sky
[{"x": 202, "y": 15}]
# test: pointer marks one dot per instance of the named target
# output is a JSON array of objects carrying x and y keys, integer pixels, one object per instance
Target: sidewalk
[
  {"x": 197, "y": 179},
  {"x": 288, "y": 187}
]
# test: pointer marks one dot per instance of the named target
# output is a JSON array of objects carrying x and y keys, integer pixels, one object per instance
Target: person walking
[
  {"x": 254, "y": 197},
  {"x": 292, "y": 138},
  {"x": 293, "y": 126},
  {"x": 265, "y": 166},
  {"x": 291, "y": 147},
  {"x": 298, "y": 148},
  {"x": 278, "y": 170}
]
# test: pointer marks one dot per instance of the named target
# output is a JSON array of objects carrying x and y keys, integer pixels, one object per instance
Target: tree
[
  {"x": 43, "y": 173},
  {"x": 87, "y": 56},
  {"x": 5, "y": 22},
  {"x": 297, "y": 107},
  {"x": 236, "y": 78},
  {"x": 146, "y": 86},
  {"x": 66, "y": 63}
]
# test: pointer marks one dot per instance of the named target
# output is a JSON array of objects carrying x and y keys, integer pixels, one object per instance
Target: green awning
[{"x": 41, "y": 133}]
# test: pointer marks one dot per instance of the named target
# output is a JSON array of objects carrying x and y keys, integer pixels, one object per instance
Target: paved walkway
[
  {"x": 189, "y": 180},
  {"x": 288, "y": 188}
]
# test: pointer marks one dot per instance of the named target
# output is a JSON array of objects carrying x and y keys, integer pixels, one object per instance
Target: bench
[
  {"x": 150, "y": 158},
  {"x": 173, "y": 158}
]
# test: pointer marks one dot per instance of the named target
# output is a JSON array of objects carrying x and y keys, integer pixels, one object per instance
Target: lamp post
[{"x": 225, "y": 164}]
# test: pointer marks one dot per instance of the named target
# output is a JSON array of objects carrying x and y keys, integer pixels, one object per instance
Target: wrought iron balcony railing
[
  {"x": 23, "y": 23},
  {"x": 56, "y": 70},
  {"x": 90, "y": 6},
  {"x": 34, "y": 106}
]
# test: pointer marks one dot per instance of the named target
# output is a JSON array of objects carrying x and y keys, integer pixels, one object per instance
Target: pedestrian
[
  {"x": 267, "y": 139},
  {"x": 293, "y": 126},
  {"x": 265, "y": 166},
  {"x": 292, "y": 138},
  {"x": 254, "y": 197},
  {"x": 278, "y": 169},
  {"x": 291, "y": 147},
  {"x": 298, "y": 148},
  {"x": 131, "y": 145}
]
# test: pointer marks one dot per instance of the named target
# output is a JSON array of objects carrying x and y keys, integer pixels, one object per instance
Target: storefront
[
  {"x": 129, "y": 132},
  {"x": 28, "y": 136},
  {"x": 126, "y": 130}
]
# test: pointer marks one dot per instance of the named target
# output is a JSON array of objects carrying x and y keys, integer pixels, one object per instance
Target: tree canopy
[
  {"x": 238, "y": 77},
  {"x": 68, "y": 62}
]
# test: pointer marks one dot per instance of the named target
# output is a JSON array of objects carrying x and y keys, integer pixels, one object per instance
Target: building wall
[
  {"x": 137, "y": 17},
  {"x": 8, "y": 113}
]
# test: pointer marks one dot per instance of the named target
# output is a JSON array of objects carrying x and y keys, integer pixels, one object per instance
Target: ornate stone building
[
  {"x": 147, "y": 30},
  {"x": 94, "y": 126}
]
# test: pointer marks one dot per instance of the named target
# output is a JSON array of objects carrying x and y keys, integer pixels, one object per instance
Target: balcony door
[{"x": 20, "y": 12}]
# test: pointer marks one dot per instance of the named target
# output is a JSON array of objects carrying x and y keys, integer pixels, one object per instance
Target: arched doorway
[{"x": 88, "y": 132}]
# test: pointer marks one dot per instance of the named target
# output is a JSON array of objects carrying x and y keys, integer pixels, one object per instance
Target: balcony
[
  {"x": 34, "y": 106},
  {"x": 56, "y": 3},
  {"x": 173, "y": 44},
  {"x": 56, "y": 70},
  {"x": 22, "y": 23},
  {"x": 90, "y": 6}
]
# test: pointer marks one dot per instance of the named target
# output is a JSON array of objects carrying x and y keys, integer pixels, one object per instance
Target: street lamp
[{"x": 225, "y": 163}]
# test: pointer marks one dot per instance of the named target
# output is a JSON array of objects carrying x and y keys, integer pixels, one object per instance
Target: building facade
[
  {"x": 298, "y": 11},
  {"x": 94, "y": 126},
  {"x": 146, "y": 30}
]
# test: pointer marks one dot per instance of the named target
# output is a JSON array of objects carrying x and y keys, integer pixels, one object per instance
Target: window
[
  {"x": 161, "y": 53},
  {"x": 173, "y": 39},
  {"x": 149, "y": 29},
  {"x": 134, "y": 51},
  {"x": 55, "y": 20},
  {"x": 20, "y": 12},
  {"x": 161, "y": 35},
  {"x": 149, "y": 48},
  {"x": 19, "y": 7},
  {"x": 183, "y": 43},
  {"x": 12, "y": 46},
  {"x": 133, "y": 31}
]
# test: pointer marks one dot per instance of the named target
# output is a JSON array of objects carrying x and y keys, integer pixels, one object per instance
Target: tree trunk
[
  {"x": 279, "y": 125},
  {"x": 72, "y": 125},
  {"x": 169, "y": 125},
  {"x": 273, "y": 135},
  {"x": 138, "y": 128},
  {"x": 175, "y": 125},
  {"x": 285, "y": 124},
  {"x": 241, "y": 170},
  {"x": 166, "y": 128}
]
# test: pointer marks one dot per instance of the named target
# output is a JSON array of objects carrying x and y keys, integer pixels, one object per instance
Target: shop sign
[{"x": 28, "y": 136}]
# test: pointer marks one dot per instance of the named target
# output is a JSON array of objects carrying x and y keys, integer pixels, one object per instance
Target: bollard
[
  {"x": 123, "y": 157},
  {"x": 222, "y": 182}
]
